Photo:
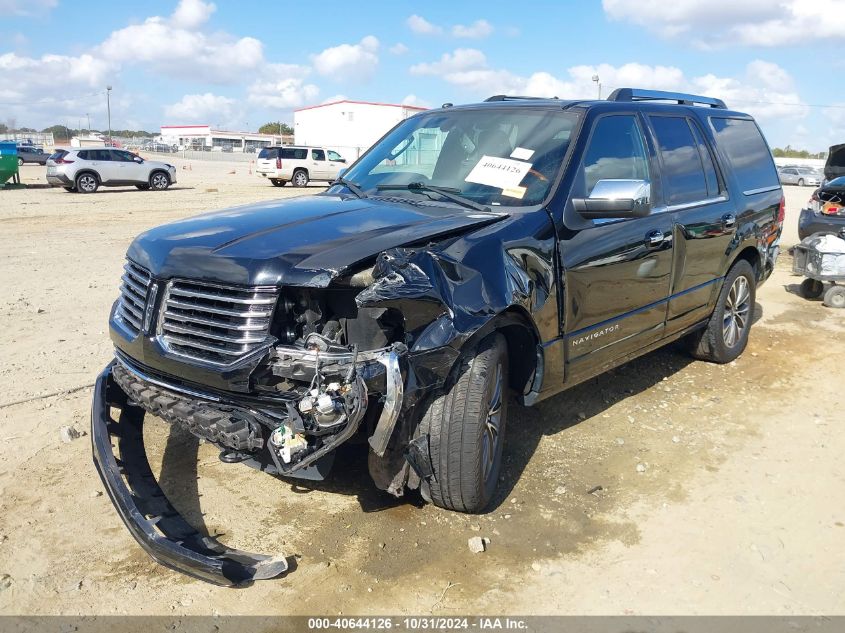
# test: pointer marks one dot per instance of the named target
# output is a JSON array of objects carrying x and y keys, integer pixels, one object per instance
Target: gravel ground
[{"x": 720, "y": 486}]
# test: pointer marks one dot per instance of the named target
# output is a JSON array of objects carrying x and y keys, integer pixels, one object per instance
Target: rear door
[
  {"x": 703, "y": 217},
  {"x": 617, "y": 273},
  {"x": 99, "y": 161},
  {"x": 319, "y": 169}
]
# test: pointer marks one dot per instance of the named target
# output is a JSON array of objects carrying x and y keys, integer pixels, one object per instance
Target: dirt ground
[{"x": 721, "y": 486}]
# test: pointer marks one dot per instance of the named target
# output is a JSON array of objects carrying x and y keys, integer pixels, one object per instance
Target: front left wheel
[{"x": 466, "y": 427}]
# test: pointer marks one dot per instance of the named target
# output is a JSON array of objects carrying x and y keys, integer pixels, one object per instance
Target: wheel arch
[{"x": 82, "y": 172}]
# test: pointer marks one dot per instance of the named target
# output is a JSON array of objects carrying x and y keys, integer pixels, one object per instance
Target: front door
[
  {"x": 319, "y": 165},
  {"x": 617, "y": 273}
]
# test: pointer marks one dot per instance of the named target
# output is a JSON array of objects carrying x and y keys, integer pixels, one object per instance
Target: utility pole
[
  {"x": 88, "y": 116},
  {"x": 598, "y": 84},
  {"x": 108, "y": 107}
]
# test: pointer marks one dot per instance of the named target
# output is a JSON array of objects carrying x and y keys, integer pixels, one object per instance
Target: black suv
[{"x": 518, "y": 245}]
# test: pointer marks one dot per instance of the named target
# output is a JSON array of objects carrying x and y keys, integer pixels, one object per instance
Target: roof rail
[
  {"x": 512, "y": 98},
  {"x": 635, "y": 94}
]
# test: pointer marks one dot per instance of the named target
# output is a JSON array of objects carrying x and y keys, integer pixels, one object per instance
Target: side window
[
  {"x": 84, "y": 155},
  {"x": 616, "y": 151},
  {"x": 123, "y": 157},
  {"x": 318, "y": 154},
  {"x": 714, "y": 186},
  {"x": 683, "y": 173},
  {"x": 300, "y": 153},
  {"x": 334, "y": 155},
  {"x": 747, "y": 152},
  {"x": 101, "y": 154}
]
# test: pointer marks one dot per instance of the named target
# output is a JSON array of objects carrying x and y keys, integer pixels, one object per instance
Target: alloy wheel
[
  {"x": 737, "y": 311},
  {"x": 492, "y": 425},
  {"x": 87, "y": 183},
  {"x": 159, "y": 181}
]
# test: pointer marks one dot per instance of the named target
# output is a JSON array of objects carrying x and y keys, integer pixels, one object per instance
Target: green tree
[
  {"x": 275, "y": 127},
  {"x": 3, "y": 128}
]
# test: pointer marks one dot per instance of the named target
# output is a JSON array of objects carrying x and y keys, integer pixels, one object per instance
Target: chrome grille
[
  {"x": 134, "y": 286},
  {"x": 215, "y": 324}
]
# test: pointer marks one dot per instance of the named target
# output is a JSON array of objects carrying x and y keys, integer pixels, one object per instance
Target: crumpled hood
[{"x": 303, "y": 241}]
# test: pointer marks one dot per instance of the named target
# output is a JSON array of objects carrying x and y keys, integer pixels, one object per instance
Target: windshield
[{"x": 504, "y": 157}]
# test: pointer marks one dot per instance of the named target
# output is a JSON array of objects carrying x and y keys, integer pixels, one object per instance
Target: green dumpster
[{"x": 8, "y": 162}]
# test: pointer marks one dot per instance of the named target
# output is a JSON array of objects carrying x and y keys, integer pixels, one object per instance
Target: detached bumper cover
[{"x": 146, "y": 511}]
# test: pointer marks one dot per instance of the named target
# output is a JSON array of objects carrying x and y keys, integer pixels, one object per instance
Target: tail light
[
  {"x": 815, "y": 203},
  {"x": 278, "y": 163},
  {"x": 62, "y": 161},
  {"x": 782, "y": 210}
]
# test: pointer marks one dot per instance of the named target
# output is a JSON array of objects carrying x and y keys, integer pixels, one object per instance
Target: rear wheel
[
  {"x": 300, "y": 178},
  {"x": 800, "y": 182},
  {"x": 466, "y": 427},
  {"x": 87, "y": 183},
  {"x": 812, "y": 289},
  {"x": 159, "y": 181},
  {"x": 726, "y": 334},
  {"x": 835, "y": 297},
  {"x": 20, "y": 162},
  {"x": 278, "y": 183}
]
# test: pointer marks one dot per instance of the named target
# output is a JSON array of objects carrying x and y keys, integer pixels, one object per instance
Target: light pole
[
  {"x": 88, "y": 116},
  {"x": 108, "y": 107},
  {"x": 598, "y": 84}
]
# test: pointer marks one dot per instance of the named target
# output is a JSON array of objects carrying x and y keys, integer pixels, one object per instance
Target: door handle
[
  {"x": 654, "y": 238},
  {"x": 729, "y": 220}
]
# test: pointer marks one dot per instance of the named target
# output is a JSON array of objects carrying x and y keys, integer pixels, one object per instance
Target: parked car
[
  {"x": 834, "y": 166},
  {"x": 85, "y": 170},
  {"x": 800, "y": 176},
  {"x": 31, "y": 154},
  {"x": 515, "y": 246},
  {"x": 825, "y": 212},
  {"x": 298, "y": 164}
]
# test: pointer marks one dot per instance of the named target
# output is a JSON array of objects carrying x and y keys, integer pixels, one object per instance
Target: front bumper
[{"x": 151, "y": 519}]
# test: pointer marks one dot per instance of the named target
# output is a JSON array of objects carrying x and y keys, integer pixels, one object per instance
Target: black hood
[
  {"x": 835, "y": 165},
  {"x": 303, "y": 241}
]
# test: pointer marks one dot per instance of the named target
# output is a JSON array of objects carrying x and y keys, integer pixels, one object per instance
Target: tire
[
  {"x": 800, "y": 182},
  {"x": 87, "y": 182},
  {"x": 142, "y": 187},
  {"x": 835, "y": 297},
  {"x": 812, "y": 289},
  {"x": 20, "y": 162},
  {"x": 278, "y": 183},
  {"x": 726, "y": 334},
  {"x": 159, "y": 181},
  {"x": 466, "y": 427},
  {"x": 300, "y": 178},
  {"x": 70, "y": 189}
]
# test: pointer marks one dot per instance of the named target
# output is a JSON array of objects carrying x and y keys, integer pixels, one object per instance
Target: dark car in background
[
  {"x": 32, "y": 154},
  {"x": 826, "y": 210}
]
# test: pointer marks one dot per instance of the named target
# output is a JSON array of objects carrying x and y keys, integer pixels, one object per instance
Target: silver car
[
  {"x": 87, "y": 169},
  {"x": 800, "y": 176}
]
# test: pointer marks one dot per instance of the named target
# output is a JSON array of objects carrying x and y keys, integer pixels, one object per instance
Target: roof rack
[
  {"x": 635, "y": 94},
  {"x": 512, "y": 98}
]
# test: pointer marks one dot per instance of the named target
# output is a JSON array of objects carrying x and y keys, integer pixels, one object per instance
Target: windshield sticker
[
  {"x": 521, "y": 153},
  {"x": 503, "y": 173},
  {"x": 514, "y": 192}
]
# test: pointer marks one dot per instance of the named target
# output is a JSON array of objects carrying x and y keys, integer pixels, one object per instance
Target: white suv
[
  {"x": 298, "y": 164},
  {"x": 86, "y": 169}
]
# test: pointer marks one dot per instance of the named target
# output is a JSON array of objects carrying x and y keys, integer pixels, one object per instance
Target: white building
[
  {"x": 349, "y": 127},
  {"x": 204, "y": 137}
]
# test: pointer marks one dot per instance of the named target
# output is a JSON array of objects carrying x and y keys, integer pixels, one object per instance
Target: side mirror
[
  {"x": 616, "y": 198},
  {"x": 138, "y": 159},
  {"x": 341, "y": 160}
]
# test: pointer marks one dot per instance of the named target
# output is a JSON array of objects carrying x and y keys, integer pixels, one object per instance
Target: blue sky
[{"x": 241, "y": 64}]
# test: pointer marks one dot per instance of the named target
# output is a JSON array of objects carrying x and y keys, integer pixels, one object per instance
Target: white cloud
[
  {"x": 348, "y": 61},
  {"x": 750, "y": 22},
  {"x": 422, "y": 26},
  {"x": 414, "y": 100},
  {"x": 201, "y": 108},
  {"x": 398, "y": 49},
  {"x": 26, "y": 8},
  {"x": 283, "y": 86},
  {"x": 175, "y": 46},
  {"x": 476, "y": 30},
  {"x": 461, "y": 59},
  {"x": 31, "y": 77},
  {"x": 191, "y": 14}
]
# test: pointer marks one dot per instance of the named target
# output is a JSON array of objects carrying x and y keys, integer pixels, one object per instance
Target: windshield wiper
[
  {"x": 351, "y": 186},
  {"x": 447, "y": 192}
]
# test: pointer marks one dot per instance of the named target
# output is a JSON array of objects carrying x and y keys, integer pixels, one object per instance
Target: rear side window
[
  {"x": 295, "y": 153},
  {"x": 747, "y": 152},
  {"x": 683, "y": 172},
  {"x": 269, "y": 153},
  {"x": 59, "y": 153}
]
